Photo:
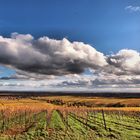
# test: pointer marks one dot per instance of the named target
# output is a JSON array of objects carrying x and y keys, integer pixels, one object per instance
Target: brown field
[
  {"x": 91, "y": 101},
  {"x": 70, "y": 103}
]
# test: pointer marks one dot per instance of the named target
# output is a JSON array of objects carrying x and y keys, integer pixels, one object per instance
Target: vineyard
[{"x": 27, "y": 119}]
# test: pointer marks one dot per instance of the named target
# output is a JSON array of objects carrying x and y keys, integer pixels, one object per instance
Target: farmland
[{"x": 69, "y": 118}]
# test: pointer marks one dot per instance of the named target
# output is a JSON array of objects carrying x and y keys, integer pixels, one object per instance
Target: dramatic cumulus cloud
[
  {"x": 132, "y": 8},
  {"x": 48, "y": 56},
  {"x": 48, "y": 63}
]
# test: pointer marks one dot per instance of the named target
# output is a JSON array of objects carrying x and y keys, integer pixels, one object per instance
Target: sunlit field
[{"x": 69, "y": 118}]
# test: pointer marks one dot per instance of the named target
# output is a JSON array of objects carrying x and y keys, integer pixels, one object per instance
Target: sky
[{"x": 67, "y": 44}]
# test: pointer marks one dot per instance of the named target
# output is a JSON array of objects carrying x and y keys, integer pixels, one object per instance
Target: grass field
[{"x": 69, "y": 118}]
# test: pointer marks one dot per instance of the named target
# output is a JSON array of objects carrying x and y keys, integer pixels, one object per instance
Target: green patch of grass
[
  {"x": 56, "y": 121},
  {"x": 75, "y": 127}
]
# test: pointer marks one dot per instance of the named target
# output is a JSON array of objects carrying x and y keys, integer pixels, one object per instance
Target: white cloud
[
  {"x": 132, "y": 8},
  {"x": 48, "y": 56},
  {"x": 126, "y": 61},
  {"x": 44, "y": 56}
]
